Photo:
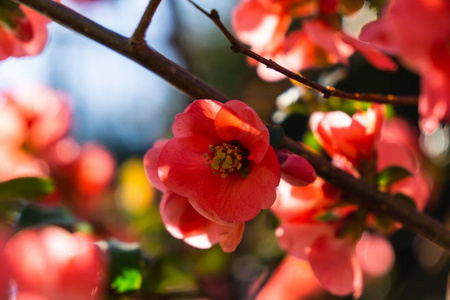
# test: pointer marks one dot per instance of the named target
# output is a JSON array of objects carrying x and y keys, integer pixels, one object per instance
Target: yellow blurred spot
[{"x": 135, "y": 193}]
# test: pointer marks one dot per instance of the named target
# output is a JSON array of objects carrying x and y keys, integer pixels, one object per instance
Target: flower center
[{"x": 226, "y": 158}]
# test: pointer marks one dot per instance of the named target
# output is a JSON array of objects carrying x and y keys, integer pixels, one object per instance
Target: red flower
[
  {"x": 31, "y": 120},
  {"x": 265, "y": 26},
  {"x": 54, "y": 264},
  {"x": 23, "y": 32},
  {"x": 292, "y": 280},
  {"x": 182, "y": 220},
  {"x": 337, "y": 261},
  {"x": 354, "y": 137},
  {"x": 221, "y": 160},
  {"x": 398, "y": 146},
  {"x": 424, "y": 47}
]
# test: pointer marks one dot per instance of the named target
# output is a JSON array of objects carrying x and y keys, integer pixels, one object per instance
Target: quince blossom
[
  {"x": 181, "y": 219},
  {"x": 318, "y": 226},
  {"x": 55, "y": 264},
  {"x": 265, "y": 26},
  {"x": 336, "y": 259},
  {"x": 34, "y": 125},
  {"x": 31, "y": 120},
  {"x": 354, "y": 138},
  {"x": 204, "y": 128},
  {"x": 424, "y": 48},
  {"x": 23, "y": 32},
  {"x": 398, "y": 146},
  {"x": 221, "y": 160}
]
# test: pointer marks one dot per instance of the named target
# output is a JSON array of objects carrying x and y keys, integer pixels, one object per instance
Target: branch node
[
  {"x": 235, "y": 47},
  {"x": 326, "y": 94},
  {"x": 214, "y": 14}
]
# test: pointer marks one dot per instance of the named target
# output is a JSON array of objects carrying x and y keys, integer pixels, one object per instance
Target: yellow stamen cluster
[{"x": 225, "y": 159}]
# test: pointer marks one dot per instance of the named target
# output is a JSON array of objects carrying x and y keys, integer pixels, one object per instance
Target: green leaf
[
  {"x": 392, "y": 174},
  {"x": 276, "y": 134},
  {"x": 311, "y": 141},
  {"x": 128, "y": 280},
  {"x": 405, "y": 199},
  {"x": 36, "y": 215},
  {"x": 126, "y": 261},
  {"x": 328, "y": 216},
  {"x": 26, "y": 187},
  {"x": 377, "y": 4},
  {"x": 384, "y": 224}
]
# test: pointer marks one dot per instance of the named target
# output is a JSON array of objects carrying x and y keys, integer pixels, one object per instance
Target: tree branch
[
  {"x": 139, "y": 34},
  {"x": 325, "y": 91},
  {"x": 373, "y": 199},
  {"x": 197, "y": 89},
  {"x": 145, "y": 56}
]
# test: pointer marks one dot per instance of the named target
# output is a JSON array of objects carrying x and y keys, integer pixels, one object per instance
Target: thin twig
[
  {"x": 145, "y": 56},
  {"x": 197, "y": 89},
  {"x": 139, "y": 34},
  {"x": 325, "y": 91}
]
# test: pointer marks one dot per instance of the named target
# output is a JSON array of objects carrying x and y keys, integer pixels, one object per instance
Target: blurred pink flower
[
  {"x": 83, "y": 173},
  {"x": 334, "y": 258},
  {"x": 30, "y": 121},
  {"x": 33, "y": 118},
  {"x": 424, "y": 47},
  {"x": 398, "y": 146},
  {"x": 354, "y": 138},
  {"x": 292, "y": 280},
  {"x": 349, "y": 140},
  {"x": 34, "y": 125},
  {"x": 264, "y": 25},
  {"x": 25, "y": 35},
  {"x": 5, "y": 275},
  {"x": 54, "y": 264}
]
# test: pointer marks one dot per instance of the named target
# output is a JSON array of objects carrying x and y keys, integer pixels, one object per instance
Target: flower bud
[{"x": 295, "y": 169}]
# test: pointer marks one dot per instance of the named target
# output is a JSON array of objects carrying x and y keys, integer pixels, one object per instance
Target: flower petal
[
  {"x": 297, "y": 238},
  {"x": 375, "y": 254},
  {"x": 184, "y": 222},
  {"x": 230, "y": 236},
  {"x": 194, "y": 128},
  {"x": 374, "y": 56},
  {"x": 254, "y": 23},
  {"x": 151, "y": 164},
  {"x": 236, "y": 121},
  {"x": 331, "y": 260},
  {"x": 292, "y": 280}
]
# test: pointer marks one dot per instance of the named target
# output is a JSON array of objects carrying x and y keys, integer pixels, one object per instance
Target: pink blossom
[
  {"x": 292, "y": 280},
  {"x": 83, "y": 173},
  {"x": 336, "y": 260},
  {"x": 264, "y": 25},
  {"x": 398, "y": 146},
  {"x": 424, "y": 47},
  {"x": 375, "y": 254},
  {"x": 27, "y": 36},
  {"x": 354, "y": 137},
  {"x": 54, "y": 264},
  {"x": 35, "y": 117},
  {"x": 34, "y": 142}
]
